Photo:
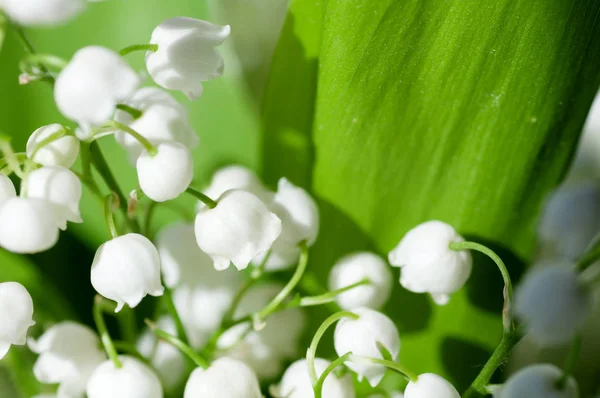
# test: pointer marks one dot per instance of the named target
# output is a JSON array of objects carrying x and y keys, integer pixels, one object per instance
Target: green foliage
[{"x": 463, "y": 111}]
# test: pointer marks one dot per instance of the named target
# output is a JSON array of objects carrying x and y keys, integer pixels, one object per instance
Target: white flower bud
[
  {"x": 295, "y": 382},
  {"x": 226, "y": 377},
  {"x": 538, "y": 381},
  {"x": 59, "y": 186},
  {"x": 69, "y": 353},
  {"x": 235, "y": 177},
  {"x": 238, "y": 229},
  {"x": 90, "y": 86},
  {"x": 362, "y": 337},
  {"x": 354, "y": 268},
  {"x": 168, "y": 173},
  {"x": 7, "y": 188},
  {"x": 16, "y": 313},
  {"x": 163, "y": 120},
  {"x": 133, "y": 380},
  {"x": 61, "y": 152},
  {"x": 42, "y": 12},
  {"x": 127, "y": 268},
  {"x": 430, "y": 385},
  {"x": 186, "y": 54},
  {"x": 428, "y": 264},
  {"x": 553, "y": 303},
  {"x": 27, "y": 225}
]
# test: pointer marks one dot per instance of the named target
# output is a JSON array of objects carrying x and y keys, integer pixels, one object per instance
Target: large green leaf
[{"x": 459, "y": 110}]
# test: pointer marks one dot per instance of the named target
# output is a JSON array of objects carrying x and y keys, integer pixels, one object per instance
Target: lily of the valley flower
[
  {"x": 186, "y": 54},
  {"x": 60, "y": 152},
  {"x": 92, "y": 84},
  {"x": 27, "y": 225},
  {"x": 16, "y": 313},
  {"x": 429, "y": 385},
  {"x": 7, "y": 188},
  {"x": 238, "y": 229},
  {"x": 42, "y": 12},
  {"x": 133, "y": 380},
  {"x": 538, "y": 381},
  {"x": 235, "y": 177},
  {"x": 226, "y": 377},
  {"x": 127, "y": 268},
  {"x": 428, "y": 264}
]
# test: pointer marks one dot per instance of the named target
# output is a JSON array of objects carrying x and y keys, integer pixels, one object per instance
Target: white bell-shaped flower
[
  {"x": 538, "y": 381},
  {"x": 166, "y": 174},
  {"x": 553, "y": 303},
  {"x": 42, "y": 12},
  {"x": 226, "y": 377},
  {"x": 238, "y": 229},
  {"x": 16, "y": 315},
  {"x": 295, "y": 382},
  {"x": 354, "y": 268},
  {"x": 235, "y": 177},
  {"x": 186, "y": 54},
  {"x": 27, "y": 225},
  {"x": 428, "y": 264},
  {"x": 69, "y": 353},
  {"x": 163, "y": 120},
  {"x": 429, "y": 385},
  {"x": 60, "y": 152},
  {"x": 395, "y": 394},
  {"x": 59, "y": 186},
  {"x": 133, "y": 380},
  {"x": 92, "y": 84},
  {"x": 7, "y": 188},
  {"x": 167, "y": 360},
  {"x": 125, "y": 269},
  {"x": 364, "y": 337}
]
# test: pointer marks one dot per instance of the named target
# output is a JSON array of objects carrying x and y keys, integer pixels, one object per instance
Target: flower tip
[{"x": 193, "y": 95}]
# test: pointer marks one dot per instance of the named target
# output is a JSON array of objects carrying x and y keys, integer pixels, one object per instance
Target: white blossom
[
  {"x": 69, "y": 353},
  {"x": 133, "y": 380},
  {"x": 60, "y": 187},
  {"x": 27, "y": 225},
  {"x": 362, "y": 337},
  {"x": 428, "y": 264},
  {"x": 226, "y": 377},
  {"x": 186, "y": 54},
  {"x": 92, "y": 84},
  {"x": 163, "y": 119},
  {"x": 235, "y": 177},
  {"x": 7, "y": 188},
  {"x": 538, "y": 381},
  {"x": 168, "y": 173},
  {"x": 295, "y": 382},
  {"x": 16, "y": 315},
  {"x": 553, "y": 303},
  {"x": 354, "y": 268},
  {"x": 42, "y": 12},
  {"x": 60, "y": 152},
  {"x": 429, "y": 385},
  {"x": 125, "y": 269},
  {"x": 238, "y": 229}
]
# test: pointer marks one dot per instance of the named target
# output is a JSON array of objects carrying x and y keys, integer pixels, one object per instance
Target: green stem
[
  {"x": 329, "y": 296},
  {"x": 109, "y": 347},
  {"x": 314, "y": 344},
  {"x": 135, "y": 113},
  {"x": 260, "y": 316},
  {"x": 318, "y": 386},
  {"x": 29, "y": 49},
  {"x": 138, "y": 47},
  {"x": 479, "y": 385},
  {"x": 9, "y": 156},
  {"x": 184, "y": 348},
  {"x": 507, "y": 316},
  {"x": 172, "y": 310},
  {"x": 202, "y": 197},
  {"x": 590, "y": 257},
  {"x": 570, "y": 363},
  {"x": 127, "y": 324},
  {"x": 148, "y": 146},
  {"x": 130, "y": 349},
  {"x": 411, "y": 376},
  {"x": 47, "y": 60},
  {"x": 110, "y": 202}
]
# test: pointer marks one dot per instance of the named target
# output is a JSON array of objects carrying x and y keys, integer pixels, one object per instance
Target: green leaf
[{"x": 460, "y": 110}]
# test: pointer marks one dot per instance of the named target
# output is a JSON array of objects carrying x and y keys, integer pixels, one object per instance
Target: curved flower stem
[
  {"x": 312, "y": 349},
  {"x": 174, "y": 341},
  {"x": 202, "y": 197},
  {"x": 29, "y": 49},
  {"x": 172, "y": 310},
  {"x": 111, "y": 201},
  {"x": 138, "y": 47},
  {"x": 507, "y": 316},
  {"x": 260, "y": 316},
  {"x": 591, "y": 255},
  {"x": 411, "y": 376},
  {"x": 318, "y": 386},
  {"x": 148, "y": 146},
  {"x": 46, "y": 60},
  {"x": 329, "y": 296},
  {"x": 570, "y": 363},
  {"x": 100, "y": 305},
  {"x": 9, "y": 156},
  {"x": 135, "y": 113}
]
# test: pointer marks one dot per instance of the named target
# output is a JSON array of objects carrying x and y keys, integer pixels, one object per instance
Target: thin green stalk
[
  {"x": 138, "y": 47},
  {"x": 314, "y": 344},
  {"x": 135, "y": 113},
  {"x": 127, "y": 324},
  {"x": 174, "y": 341},
  {"x": 507, "y": 315},
  {"x": 148, "y": 146},
  {"x": 411, "y": 376},
  {"x": 111, "y": 201},
  {"x": 202, "y": 197},
  {"x": 10, "y": 157},
  {"x": 172, "y": 310},
  {"x": 570, "y": 363},
  {"x": 318, "y": 386},
  {"x": 109, "y": 347},
  {"x": 47, "y": 60},
  {"x": 30, "y": 49},
  {"x": 591, "y": 255},
  {"x": 329, "y": 296}
]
